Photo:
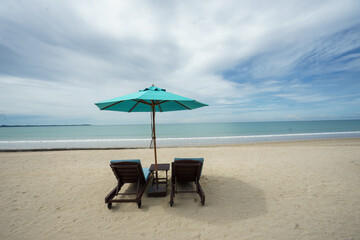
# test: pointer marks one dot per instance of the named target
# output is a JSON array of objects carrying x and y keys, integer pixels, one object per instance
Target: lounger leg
[
  {"x": 112, "y": 194},
  {"x": 141, "y": 190},
  {"x": 201, "y": 194},
  {"x": 139, "y": 195},
  {"x": 172, "y": 194}
]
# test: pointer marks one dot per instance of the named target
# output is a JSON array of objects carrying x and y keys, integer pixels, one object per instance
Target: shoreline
[{"x": 194, "y": 146}]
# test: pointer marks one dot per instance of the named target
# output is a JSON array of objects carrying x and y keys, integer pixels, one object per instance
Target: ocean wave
[
  {"x": 178, "y": 138},
  {"x": 263, "y": 136}
]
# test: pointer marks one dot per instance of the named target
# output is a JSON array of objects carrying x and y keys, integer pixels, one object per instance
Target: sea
[{"x": 171, "y": 135}]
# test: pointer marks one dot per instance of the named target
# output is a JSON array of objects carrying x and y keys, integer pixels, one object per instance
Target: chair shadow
[{"x": 227, "y": 199}]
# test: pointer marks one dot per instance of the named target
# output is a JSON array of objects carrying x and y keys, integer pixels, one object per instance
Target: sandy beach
[{"x": 289, "y": 190}]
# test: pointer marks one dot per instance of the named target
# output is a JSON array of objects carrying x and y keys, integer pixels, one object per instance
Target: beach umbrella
[{"x": 152, "y": 99}]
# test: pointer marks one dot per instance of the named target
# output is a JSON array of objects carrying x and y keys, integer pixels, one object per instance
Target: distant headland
[{"x": 46, "y": 125}]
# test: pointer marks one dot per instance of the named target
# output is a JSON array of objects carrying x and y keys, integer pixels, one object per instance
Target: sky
[{"x": 248, "y": 60}]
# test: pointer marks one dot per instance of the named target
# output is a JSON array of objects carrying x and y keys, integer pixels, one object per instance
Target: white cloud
[
  {"x": 69, "y": 54},
  {"x": 303, "y": 98}
]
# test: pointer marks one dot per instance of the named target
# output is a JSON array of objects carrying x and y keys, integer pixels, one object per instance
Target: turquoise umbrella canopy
[
  {"x": 152, "y": 99},
  {"x": 149, "y": 100}
]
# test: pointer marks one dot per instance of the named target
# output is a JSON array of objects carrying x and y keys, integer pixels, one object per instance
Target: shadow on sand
[{"x": 227, "y": 199}]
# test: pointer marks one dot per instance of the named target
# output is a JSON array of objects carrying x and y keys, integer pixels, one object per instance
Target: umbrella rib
[
  {"x": 158, "y": 103},
  {"x": 182, "y": 105},
  {"x": 134, "y": 106},
  {"x": 142, "y": 101},
  {"x": 112, "y": 105}
]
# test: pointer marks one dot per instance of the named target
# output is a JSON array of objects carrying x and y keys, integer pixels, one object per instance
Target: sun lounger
[
  {"x": 128, "y": 171},
  {"x": 186, "y": 170}
]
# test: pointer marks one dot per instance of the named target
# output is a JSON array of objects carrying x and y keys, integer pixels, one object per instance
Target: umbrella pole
[{"x": 154, "y": 138}]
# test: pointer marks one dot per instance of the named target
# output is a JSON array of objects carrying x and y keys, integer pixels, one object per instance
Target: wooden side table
[
  {"x": 161, "y": 167},
  {"x": 159, "y": 189}
]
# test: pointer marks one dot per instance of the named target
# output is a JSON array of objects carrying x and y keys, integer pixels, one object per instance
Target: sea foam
[{"x": 167, "y": 141}]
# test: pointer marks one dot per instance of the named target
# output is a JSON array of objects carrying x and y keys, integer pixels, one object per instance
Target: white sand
[{"x": 296, "y": 190}]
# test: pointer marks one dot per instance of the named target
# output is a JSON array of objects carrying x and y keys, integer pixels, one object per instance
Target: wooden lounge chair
[
  {"x": 186, "y": 170},
  {"x": 128, "y": 171}
]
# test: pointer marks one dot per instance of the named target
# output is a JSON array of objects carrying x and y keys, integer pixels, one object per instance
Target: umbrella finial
[{"x": 152, "y": 85}]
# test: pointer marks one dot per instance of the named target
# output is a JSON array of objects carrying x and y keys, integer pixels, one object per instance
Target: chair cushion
[
  {"x": 196, "y": 159},
  {"x": 146, "y": 172},
  {"x": 128, "y": 160}
]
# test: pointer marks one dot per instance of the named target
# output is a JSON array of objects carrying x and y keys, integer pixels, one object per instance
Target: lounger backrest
[
  {"x": 195, "y": 159},
  {"x": 128, "y": 171},
  {"x": 186, "y": 170}
]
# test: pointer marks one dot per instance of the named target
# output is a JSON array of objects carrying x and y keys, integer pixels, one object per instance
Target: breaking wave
[{"x": 167, "y": 142}]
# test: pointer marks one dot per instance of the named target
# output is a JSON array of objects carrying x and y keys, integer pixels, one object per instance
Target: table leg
[{"x": 166, "y": 178}]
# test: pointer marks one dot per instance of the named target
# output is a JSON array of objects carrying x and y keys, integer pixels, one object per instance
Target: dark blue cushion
[
  {"x": 128, "y": 160},
  {"x": 196, "y": 159},
  {"x": 146, "y": 172}
]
